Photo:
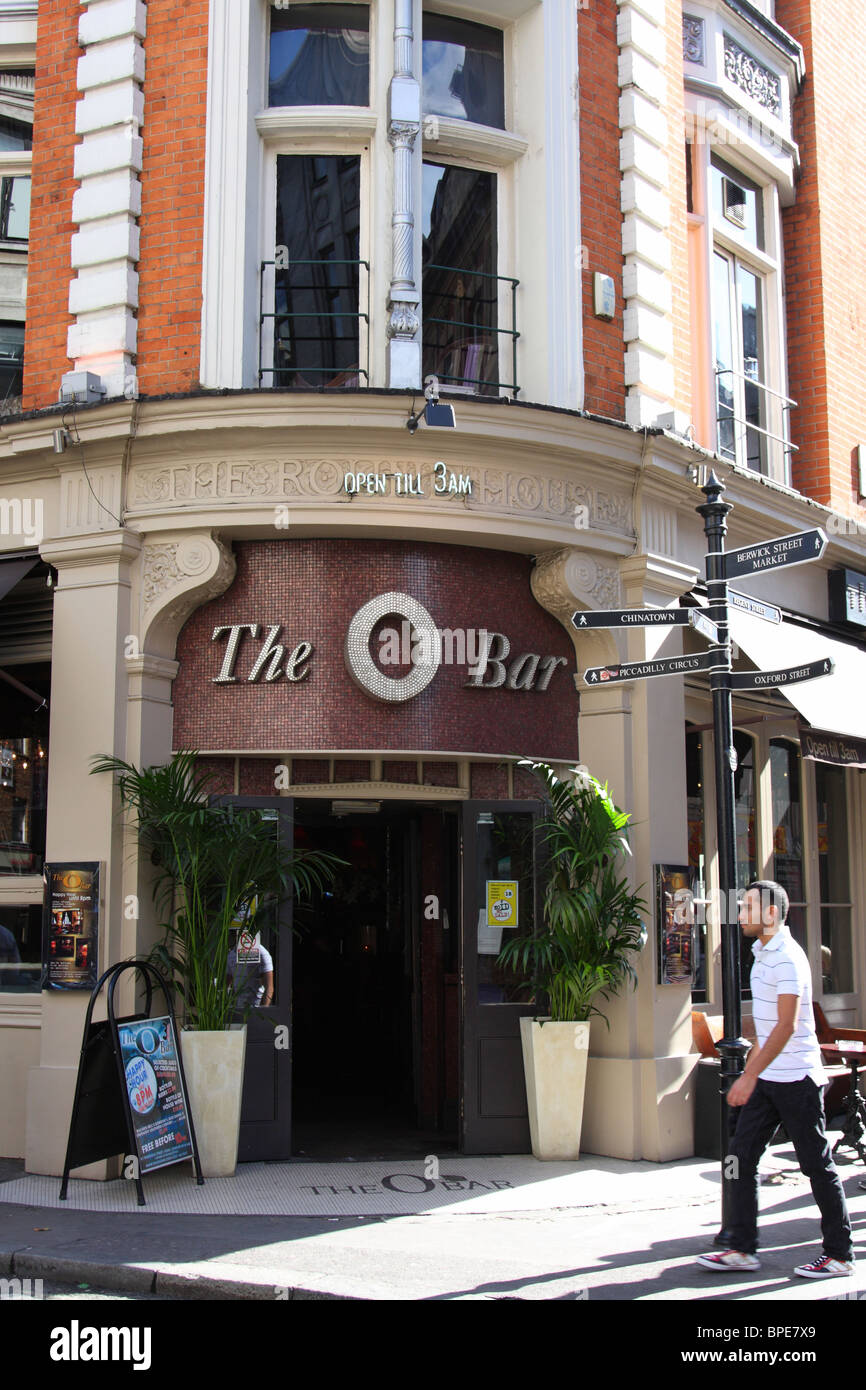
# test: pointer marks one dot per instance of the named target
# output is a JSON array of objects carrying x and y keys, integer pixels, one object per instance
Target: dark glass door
[
  {"x": 266, "y": 1113},
  {"x": 500, "y": 854}
]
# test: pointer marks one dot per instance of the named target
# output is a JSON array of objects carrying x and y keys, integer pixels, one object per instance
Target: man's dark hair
[{"x": 772, "y": 895}]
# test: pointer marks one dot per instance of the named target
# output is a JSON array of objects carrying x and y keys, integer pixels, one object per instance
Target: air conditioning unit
[{"x": 734, "y": 202}]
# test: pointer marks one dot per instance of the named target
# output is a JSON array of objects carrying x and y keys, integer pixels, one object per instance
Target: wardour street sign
[
  {"x": 790, "y": 675},
  {"x": 640, "y": 670},
  {"x": 756, "y": 606},
  {"x": 796, "y": 549},
  {"x": 702, "y": 624}
]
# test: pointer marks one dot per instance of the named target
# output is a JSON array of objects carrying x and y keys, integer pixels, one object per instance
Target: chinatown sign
[{"x": 487, "y": 655}]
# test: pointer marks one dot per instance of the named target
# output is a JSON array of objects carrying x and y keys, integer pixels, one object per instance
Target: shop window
[
  {"x": 837, "y": 966},
  {"x": 316, "y": 323},
  {"x": 319, "y": 56},
  {"x": 20, "y": 948},
  {"x": 697, "y": 855},
  {"x": 788, "y": 866},
  {"x": 459, "y": 283},
  {"x": 463, "y": 71},
  {"x": 751, "y": 409}
]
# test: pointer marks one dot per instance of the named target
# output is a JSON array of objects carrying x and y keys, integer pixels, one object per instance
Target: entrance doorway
[
  {"x": 392, "y": 1031},
  {"x": 374, "y": 1031}
]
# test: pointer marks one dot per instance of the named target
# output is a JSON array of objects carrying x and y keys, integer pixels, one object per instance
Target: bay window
[
  {"x": 751, "y": 409},
  {"x": 16, "y": 146}
]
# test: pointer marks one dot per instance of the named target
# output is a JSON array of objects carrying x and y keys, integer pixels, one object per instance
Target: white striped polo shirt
[{"x": 781, "y": 967}]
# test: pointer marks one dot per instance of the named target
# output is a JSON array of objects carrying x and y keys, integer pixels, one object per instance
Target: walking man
[{"x": 782, "y": 1083}]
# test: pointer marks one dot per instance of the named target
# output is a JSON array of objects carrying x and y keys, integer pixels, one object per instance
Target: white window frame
[
  {"x": 766, "y": 263},
  {"x": 534, "y": 208}
]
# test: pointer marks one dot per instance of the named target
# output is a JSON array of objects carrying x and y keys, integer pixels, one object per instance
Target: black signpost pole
[{"x": 731, "y": 1046}]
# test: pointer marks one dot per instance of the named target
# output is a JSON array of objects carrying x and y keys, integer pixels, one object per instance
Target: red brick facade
[
  {"x": 172, "y": 197},
  {"x": 51, "y": 225},
  {"x": 600, "y": 211},
  {"x": 826, "y": 290}
]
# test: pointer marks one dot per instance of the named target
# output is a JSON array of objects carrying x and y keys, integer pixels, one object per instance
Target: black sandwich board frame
[{"x": 101, "y": 1124}]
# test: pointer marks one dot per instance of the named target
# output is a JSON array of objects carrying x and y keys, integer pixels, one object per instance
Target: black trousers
[{"x": 799, "y": 1106}]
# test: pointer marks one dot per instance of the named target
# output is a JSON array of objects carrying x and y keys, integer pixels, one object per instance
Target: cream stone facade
[{"x": 149, "y": 494}]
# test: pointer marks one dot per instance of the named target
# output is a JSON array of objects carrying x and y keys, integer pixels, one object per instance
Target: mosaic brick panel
[{"x": 312, "y": 589}]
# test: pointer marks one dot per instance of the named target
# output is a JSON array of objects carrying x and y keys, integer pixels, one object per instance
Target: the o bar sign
[{"x": 487, "y": 654}]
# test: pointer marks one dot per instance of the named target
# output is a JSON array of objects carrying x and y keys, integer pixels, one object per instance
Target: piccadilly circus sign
[{"x": 487, "y": 655}]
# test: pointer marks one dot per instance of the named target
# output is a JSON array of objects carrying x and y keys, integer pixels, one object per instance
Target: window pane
[
  {"x": 316, "y": 295},
  {"x": 752, "y": 330},
  {"x": 15, "y": 135},
  {"x": 23, "y": 771},
  {"x": 11, "y": 363},
  {"x": 749, "y": 211},
  {"x": 320, "y": 56},
  {"x": 744, "y": 805},
  {"x": 463, "y": 71},
  {"x": 724, "y": 355},
  {"x": 697, "y": 864},
  {"x": 745, "y": 792},
  {"x": 788, "y": 831},
  {"x": 15, "y": 209},
  {"x": 20, "y": 948},
  {"x": 459, "y": 285},
  {"x": 837, "y": 966},
  {"x": 505, "y": 849}
]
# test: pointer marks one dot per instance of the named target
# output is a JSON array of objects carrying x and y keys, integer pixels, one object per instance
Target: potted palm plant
[
  {"x": 214, "y": 864},
  {"x": 592, "y": 926}
]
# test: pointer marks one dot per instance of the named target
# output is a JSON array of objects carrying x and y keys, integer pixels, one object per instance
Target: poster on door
[
  {"x": 70, "y": 918},
  {"x": 501, "y": 902},
  {"x": 154, "y": 1092}
]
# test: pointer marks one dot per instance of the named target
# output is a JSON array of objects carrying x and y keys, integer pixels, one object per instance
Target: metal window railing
[
  {"x": 342, "y": 374},
  {"x": 743, "y": 426},
  {"x": 477, "y": 329}
]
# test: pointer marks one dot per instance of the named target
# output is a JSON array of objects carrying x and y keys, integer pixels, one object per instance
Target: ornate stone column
[{"x": 404, "y": 123}]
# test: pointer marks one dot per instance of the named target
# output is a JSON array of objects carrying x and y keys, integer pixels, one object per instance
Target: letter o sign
[{"x": 362, "y": 667}]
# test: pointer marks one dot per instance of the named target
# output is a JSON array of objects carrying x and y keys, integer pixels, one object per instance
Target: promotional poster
[
  {"x": 154, "y": 1092},
  {"x": 71, "y": 926}
]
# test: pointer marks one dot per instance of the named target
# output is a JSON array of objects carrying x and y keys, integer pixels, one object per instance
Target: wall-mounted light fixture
[{"x": 435, "y": 412}]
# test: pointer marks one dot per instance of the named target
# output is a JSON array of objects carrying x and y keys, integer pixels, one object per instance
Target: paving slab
[{"x": 602, "y": 1230}]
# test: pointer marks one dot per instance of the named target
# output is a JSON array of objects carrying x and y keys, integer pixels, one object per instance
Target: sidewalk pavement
[{"x": 489, "y": 1228}]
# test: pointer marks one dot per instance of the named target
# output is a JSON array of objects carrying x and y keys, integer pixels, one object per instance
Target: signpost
[
  {"x": 640, "y": 670},
  {"x": 755, "y": 606},
  {"x": 631, "y": 617},
  {"x": 712, "y": 623},
  {"x": 789, "y": 675},
  {"x": 797, "y": 549}
]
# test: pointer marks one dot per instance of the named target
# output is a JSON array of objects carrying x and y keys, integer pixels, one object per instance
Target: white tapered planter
[
  {"x": 213, "y": 1063},
  {"x": 554, "y": 1063}
]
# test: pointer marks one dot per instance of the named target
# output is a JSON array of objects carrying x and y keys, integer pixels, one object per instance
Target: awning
[
  {"x": 11, "y": 571},
  {"x": 834, "y": 703}
]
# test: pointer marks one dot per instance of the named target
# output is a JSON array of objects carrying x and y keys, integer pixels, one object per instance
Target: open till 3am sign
[{"x": 502, "y": 902}]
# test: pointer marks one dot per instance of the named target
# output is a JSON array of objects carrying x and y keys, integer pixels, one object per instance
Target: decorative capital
[
  {"x": 403, "y": 322},
  {"x": 402, "y": 134},
  {"x": 693, "y": 39}
]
